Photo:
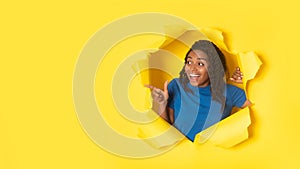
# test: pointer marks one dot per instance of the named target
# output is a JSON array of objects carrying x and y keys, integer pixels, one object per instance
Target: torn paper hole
[{"x": 228, "y": 132}]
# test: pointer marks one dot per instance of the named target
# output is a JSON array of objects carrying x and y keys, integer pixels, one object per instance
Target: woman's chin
[
  {"x": 194, "y": 83},
  {"x": 198, "y": 84}
]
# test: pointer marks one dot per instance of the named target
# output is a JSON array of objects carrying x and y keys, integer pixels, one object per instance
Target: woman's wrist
[{"x": 160, "y": 107}]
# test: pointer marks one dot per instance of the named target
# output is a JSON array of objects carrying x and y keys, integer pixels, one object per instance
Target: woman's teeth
[{"x": 194, "y": 75}]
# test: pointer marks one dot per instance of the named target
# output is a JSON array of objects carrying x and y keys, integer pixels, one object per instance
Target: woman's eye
[{"x": 200, "y": 64}]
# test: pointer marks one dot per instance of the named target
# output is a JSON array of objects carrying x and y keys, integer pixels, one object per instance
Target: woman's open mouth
[{"x": 194, "y": 77}]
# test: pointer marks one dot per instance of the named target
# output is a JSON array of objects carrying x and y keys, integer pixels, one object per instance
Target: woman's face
[{"x": 196, "y": 68}]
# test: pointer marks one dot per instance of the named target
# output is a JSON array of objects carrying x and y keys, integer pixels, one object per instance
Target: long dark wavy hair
[{"x": 216, "y": 69}]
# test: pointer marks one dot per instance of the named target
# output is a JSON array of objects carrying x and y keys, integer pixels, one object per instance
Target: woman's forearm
[{"x": 161, "y": 110}]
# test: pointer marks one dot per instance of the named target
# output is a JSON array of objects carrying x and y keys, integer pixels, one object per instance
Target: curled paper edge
[{"x": 230, "y": 131}]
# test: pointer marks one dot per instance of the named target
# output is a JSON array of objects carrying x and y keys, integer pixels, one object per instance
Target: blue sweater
[{"x": 194, "y": 112}]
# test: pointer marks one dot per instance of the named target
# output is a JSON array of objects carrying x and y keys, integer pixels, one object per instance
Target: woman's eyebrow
[{"x": 202, "y": 59}]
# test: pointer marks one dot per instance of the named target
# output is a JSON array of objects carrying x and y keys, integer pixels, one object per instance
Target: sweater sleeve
[
  {"x": 171, "y": 91},
  {"x": 238, "y": 96}
]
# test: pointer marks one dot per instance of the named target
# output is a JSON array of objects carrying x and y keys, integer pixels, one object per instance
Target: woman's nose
[{"x": 193, "y": 67}]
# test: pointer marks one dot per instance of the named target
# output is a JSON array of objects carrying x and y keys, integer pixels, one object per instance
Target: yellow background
[{"x": 41, "y": 41}]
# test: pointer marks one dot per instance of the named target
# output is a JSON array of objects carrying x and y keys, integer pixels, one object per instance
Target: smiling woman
[{"x": 200, "y": 97}]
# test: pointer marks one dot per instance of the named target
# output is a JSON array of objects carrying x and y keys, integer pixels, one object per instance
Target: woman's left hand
[{"x": 237, "y": 76}]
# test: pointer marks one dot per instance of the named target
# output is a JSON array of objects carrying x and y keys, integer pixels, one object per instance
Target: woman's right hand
[
  {"x": 158, "y": 95},
  {"x": 160, "y": 101}
]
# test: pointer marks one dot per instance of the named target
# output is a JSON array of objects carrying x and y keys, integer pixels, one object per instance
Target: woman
[{"x": 200, "y": 97}]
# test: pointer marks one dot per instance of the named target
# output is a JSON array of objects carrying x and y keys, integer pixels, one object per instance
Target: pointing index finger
[{"x": 149, "y": 86}]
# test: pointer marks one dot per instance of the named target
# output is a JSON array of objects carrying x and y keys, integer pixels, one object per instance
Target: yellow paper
[
  {"x": 160, "y": 134},
  {"x": 228, "y": 132},
  {"x": 215, "y": 36},
  {"x": 250, "y": 64}
]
